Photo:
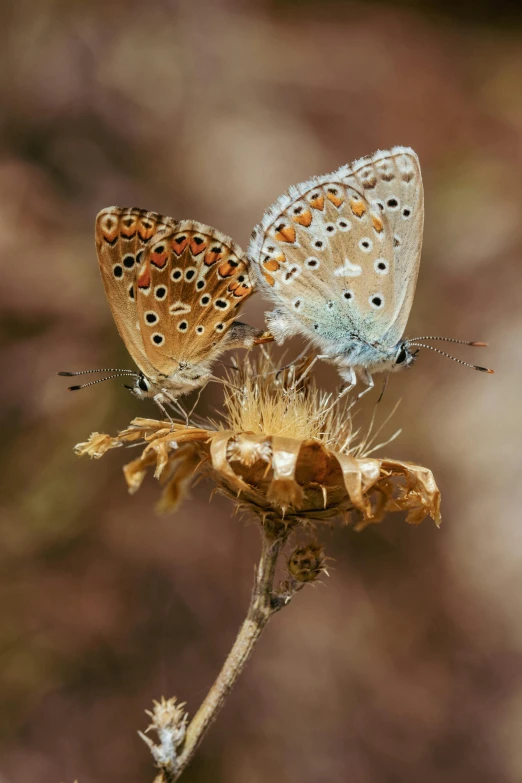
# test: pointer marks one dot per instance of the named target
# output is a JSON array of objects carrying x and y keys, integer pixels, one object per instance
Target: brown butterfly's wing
[
  {"x": 122, "y": 235},
  {"x": 192, "y": 282}
]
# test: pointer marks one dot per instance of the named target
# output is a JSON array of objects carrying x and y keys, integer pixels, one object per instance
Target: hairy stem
[{"x": 263, "y": 604}]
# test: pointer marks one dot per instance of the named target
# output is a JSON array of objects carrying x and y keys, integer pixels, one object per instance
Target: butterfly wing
[
  {"x": 326, "y": 254},
  {"x": 122, "y": 235},
  {"x": 192, "y": 282},
  {"x": 391, "y": 181}
]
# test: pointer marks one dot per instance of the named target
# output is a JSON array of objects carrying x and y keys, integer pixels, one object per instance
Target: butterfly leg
[
  {"x": 350, "y": 378},
  {"x": 175, "y": 404},
  {"x": 158, "y": 399},
  {"x": 368, "y": 380}
]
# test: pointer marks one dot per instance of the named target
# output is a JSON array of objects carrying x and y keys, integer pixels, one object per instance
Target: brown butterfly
[{"x": 174, "y": 288}]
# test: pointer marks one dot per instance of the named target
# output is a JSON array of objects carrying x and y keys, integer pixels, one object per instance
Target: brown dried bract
[{"x": 269, "y": 475}]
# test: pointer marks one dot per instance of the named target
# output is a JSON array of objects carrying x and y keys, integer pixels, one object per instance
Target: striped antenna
[
  {"x": 100, "y": 380},
  {"x": 450, "y": 340},
  {"x": 449, "y": 356},
  {"x": 107, "y": 369}
]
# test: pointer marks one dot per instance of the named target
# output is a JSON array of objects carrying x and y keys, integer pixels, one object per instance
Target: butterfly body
[
  {"x": 339, "y": 256},
  {"x": 173, "y": 288}
]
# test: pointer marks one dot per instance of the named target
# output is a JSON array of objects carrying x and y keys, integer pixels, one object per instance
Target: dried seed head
[
  {"x": 307, "y": 563},
  {"x": 287, "y": 454}
]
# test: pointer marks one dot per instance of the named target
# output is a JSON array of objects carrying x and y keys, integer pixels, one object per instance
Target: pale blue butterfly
[{"x": 339, "y": 255}]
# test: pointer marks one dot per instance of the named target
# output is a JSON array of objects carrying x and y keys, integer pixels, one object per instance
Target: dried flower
[
  {"x": 169, "y": 721},
  {"x": 286, "y": 453},
  {"x": 307, "y": 563}
]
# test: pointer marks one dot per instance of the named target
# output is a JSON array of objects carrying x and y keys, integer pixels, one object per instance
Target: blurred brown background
[{"x": 407, "y": 666}]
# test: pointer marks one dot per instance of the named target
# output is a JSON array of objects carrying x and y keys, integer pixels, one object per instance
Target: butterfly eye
[
  {"x": 143, "y": 385},
  {"x": 401, "y": 356}
]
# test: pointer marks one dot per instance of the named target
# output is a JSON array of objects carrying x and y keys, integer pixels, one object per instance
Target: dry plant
[{"x": 287, "y": 455}]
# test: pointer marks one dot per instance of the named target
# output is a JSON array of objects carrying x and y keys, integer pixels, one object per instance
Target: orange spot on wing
[
  {"x": 318, "y": 203},
  {"x": 159, "y": 259},
  {"x": 271, "y": 265},
  {"x": 146, "y": 230},
  {"x": 377, "y": 224},
  {"x": 110, "y": 235},
  {"x": 128, "y": 231},
  {"x": 269, "y": 279},
  {"x": 227, "y": 269},
  {"x": 196, "y": 246},
  {"x": 336, "y": 200},
  {"x": 239, "y": 291},
  {"x": 179, "y": 244},
  {"x": 144, "y": 278},
  {"x": 357, "y": 207},
  {"x": 212, "y": 257},
  {"x": 304, "y": 219},
  {"x": 286, "y": 234}
]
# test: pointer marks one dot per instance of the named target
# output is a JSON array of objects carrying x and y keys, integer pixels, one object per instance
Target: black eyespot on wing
[
  {"x": 221, "y": 303},
  {"x": 200, "y": 284},
  {"x": 189, "y": 274},
  {"x": 198, "y": 240},
  {"x": 128, "y": 262},
  {"x": 118, "y": 271}
]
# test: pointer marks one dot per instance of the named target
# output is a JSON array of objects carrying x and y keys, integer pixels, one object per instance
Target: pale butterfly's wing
[
  {"x": 192, "y": 282},
  {"x": 122, "y": 235},
  {"x": 325, "y": 254},
  {"x": 392, "y": 181}
]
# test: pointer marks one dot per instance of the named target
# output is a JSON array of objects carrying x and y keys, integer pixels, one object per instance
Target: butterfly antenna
[
  {"x": 107, "y": 369},
  {"x": 475, "y": 344},
  {"x": 93, "y": 383},
  {"x": 449, "y": 356}
]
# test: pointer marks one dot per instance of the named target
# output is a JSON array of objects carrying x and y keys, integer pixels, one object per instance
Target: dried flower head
[
  {"x": 169, "y": 721},
  {"x": 307, "y": 563},
  {"x": 285, "y": 452}
]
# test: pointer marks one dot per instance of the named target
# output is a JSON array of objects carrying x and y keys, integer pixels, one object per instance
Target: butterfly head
[
  {"x": 404, "y": 356},
  {"x": 142, "y": 387}
]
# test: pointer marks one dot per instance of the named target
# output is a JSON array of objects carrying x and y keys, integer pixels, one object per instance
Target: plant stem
[{"x": 262, "y": 606}]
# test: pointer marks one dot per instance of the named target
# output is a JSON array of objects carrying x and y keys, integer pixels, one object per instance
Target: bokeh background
[{"x": 407, "y": 665}]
